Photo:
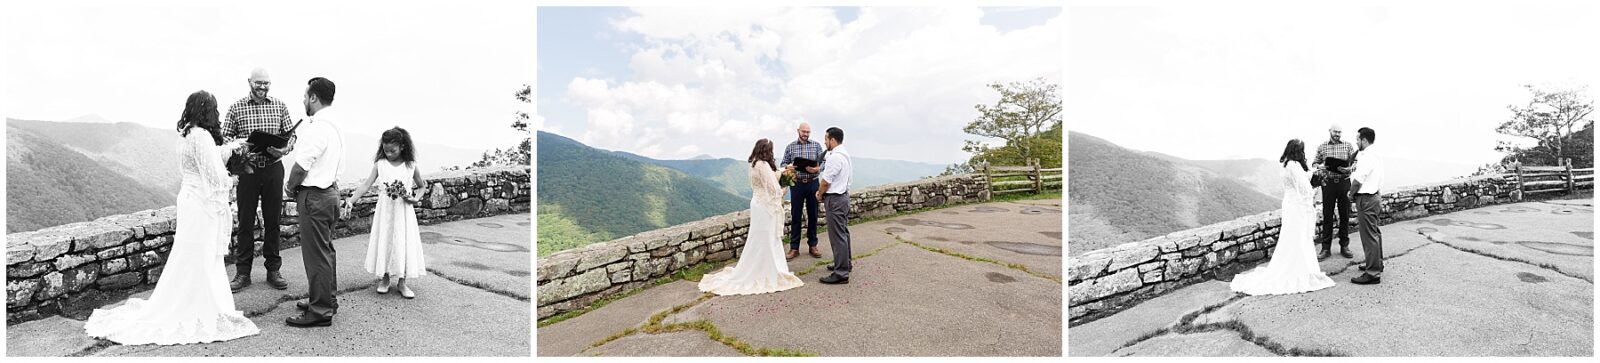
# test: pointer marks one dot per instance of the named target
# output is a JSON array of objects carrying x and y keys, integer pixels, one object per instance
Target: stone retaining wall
[
  {"x": 571, "y": 279},
  {"x": 69, "y": 268},
  {"x": 1105, "y": 281}
]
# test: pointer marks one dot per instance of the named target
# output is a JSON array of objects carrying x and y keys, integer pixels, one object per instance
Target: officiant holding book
[
  {"x": 803, "y": 157},
  {"x": 1332, "y": 168},
  {"x": 264, "y": 121}
]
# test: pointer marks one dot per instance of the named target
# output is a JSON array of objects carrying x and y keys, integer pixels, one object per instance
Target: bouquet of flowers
[
  {"x": 787, "y": 179},
  {"x": 397, "y": 190}
]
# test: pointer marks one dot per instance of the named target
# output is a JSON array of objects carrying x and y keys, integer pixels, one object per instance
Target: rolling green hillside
[
  {"x": 48, "y": 184},
  {"x": 731, "y": 176},
  {"x": 1120, "y": 195},
  {"x": 590, "y": 195},
  {"x": 147, "y": 155}
]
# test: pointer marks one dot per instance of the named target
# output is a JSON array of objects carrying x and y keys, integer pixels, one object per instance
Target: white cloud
[
  {"x": 445, "y": 73},
  {"x": 901, "y": 81}
]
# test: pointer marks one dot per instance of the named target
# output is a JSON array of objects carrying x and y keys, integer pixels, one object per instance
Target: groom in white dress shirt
[
  {"x": 835, "y": 193},
  {"x": 1367, "y": 183},
  {"x": 318, "y": 161}
]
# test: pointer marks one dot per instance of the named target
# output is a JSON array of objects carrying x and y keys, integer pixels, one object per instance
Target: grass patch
[
  {"x": 479, "y": 286},
  {"x": 654, "y": 326},
  {"x": 693, "y": 273},
  {"x": 99, "y": 345},
  {"x": 820, "y": 263},
  {"x": 1012, "y": 197},
  {"x": 734, "y": 342},
  {"x": 1014, "y": 266},
  {"x": 612, "y": 337},
  {"x": 1186, "y": 325}
]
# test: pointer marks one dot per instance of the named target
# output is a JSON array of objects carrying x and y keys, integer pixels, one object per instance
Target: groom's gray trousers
[
  {"x": 1367, "y": 206},
  {"x": 838, "y": 210},
  {"x": 319, "y": 209}
]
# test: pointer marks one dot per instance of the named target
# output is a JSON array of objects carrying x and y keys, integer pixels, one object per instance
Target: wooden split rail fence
[
  {"x": 1546, "y": 179},
  {"x": 1029, "y": 178}
]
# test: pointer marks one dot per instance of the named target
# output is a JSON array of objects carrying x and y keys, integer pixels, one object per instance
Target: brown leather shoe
[
  {"x": 815, "y": 253},
  {"x": 240, "y": 281},
  {"x": 791, "y": 254},
  {"x": 276, "y": 280}
]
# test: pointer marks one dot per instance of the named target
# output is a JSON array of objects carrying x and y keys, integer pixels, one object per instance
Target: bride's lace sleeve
[
  {"x": 208, "y": 160},
  {"x": 1296, "y": 182},
  {"x": 764, "y": 183}
]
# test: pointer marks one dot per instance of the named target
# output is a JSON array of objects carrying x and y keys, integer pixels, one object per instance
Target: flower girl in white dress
[{"x": 394, "y": 248}]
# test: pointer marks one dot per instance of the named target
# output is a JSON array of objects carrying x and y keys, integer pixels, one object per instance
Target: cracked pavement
[
  {"x": 473, "y": 302},
  {"x": 902, "y": 300},
  {"x": 1504, "y": 280}
]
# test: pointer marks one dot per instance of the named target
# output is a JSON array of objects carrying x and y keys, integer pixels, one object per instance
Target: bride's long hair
[
  {"x": 201, "y": 110},
  {"x": 762, "y": 152},
  {"x": 1295, "y": 151}
]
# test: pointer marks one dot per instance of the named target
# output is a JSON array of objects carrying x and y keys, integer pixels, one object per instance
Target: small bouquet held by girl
[
  {"x": 398, "y": 190},
  {"x": 394, "y": 249}
]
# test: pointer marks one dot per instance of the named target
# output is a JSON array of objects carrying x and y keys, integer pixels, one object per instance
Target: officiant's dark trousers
[
  {"x": 264, "y": 188},
  {"x": 803, "y": 196},
  {"x": 1367, "y": 207},
  {"x": 319, "y": 209},
  {"x": 1335, "y": 197},
  {"x": 839, "y": 231}
]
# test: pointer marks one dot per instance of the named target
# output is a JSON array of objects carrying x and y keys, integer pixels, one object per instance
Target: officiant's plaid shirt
[
  {"x": 809, "y": 150},
  {"x": 1341, "y": 150},
  {"x": 247, "y": 115}
]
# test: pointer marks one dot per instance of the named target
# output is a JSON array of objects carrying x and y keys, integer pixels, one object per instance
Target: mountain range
[
  {"x": 590, "y": 195},
  {"x": 97, "y": 168},
  {"x": 729, "y": 173},
  {"x": 49, "y": 184},
  {"x": 1121, "y": 195}
]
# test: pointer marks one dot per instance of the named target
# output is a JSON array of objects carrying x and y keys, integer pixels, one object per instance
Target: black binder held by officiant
[
  {"x": 800, "y": 165},
  {"x": 243, "y": 164},
  {"x": 1330, "y": 172}
]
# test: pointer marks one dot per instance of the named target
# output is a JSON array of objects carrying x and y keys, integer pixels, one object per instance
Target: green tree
[
  {"x": 517, "y": 155},
  {"x": 1027, "y": 116},
  {"x": 1558, "y": 120}
]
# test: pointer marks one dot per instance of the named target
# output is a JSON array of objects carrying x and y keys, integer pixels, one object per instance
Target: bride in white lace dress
[
  {"x": 1293, "y": 268},
  {"x": 191, "y": 302},
  {"x": 761, "y": 267}
]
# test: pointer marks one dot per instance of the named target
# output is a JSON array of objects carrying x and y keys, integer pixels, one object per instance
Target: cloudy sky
[
  {"x": 682, "y": 82},
  {"x": 446, "y": 73},
  {"x": 1221, "y": 82}
]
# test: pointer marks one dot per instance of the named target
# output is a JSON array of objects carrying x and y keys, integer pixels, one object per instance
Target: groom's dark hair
[
  {"x": 1366, "y": 133},
  {"x": 836, "y": 134},
  {"x": 322, "y": 88}
]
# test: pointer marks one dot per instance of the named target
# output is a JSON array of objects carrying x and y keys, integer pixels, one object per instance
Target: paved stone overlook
[
  {"x": 966, "y": 280},
  {"x": 572, "y": 279},
  {"x": 1512, "y": 279},
  {"x": 474, "y": 302},
  {"x": 69, "y": 269}
]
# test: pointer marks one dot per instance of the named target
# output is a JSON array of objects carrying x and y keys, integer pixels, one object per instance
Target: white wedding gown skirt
[
  {"x": 761, "y": 267},
  {"x": 192, "y": 302},
  {"x": 1293, "y": 268}
]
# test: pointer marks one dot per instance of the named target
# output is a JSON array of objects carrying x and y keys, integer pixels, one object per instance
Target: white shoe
[{"x": 405, "y": 291}]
